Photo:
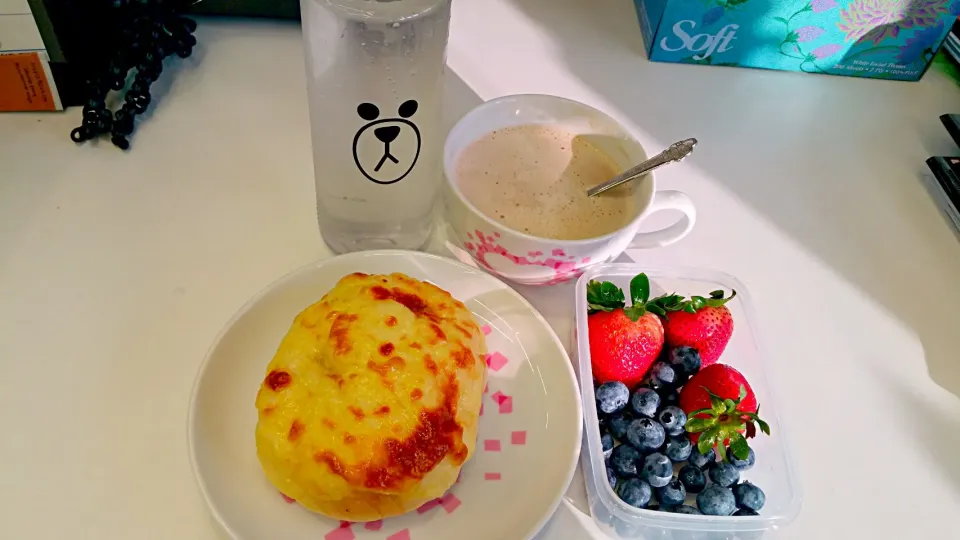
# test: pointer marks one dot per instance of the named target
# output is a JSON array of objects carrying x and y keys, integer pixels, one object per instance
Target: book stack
[
  {"x": 26, "y": 80},
  {"x": 944, "y": 185}
]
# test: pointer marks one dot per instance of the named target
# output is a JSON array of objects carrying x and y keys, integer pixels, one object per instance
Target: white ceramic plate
[{"x": 530, "y": 430}]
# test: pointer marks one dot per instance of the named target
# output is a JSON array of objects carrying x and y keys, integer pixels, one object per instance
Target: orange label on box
[{"x": 24, "y": 85}]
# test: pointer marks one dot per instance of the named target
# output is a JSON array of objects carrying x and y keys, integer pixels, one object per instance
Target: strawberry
[
  {"x": 624, "y": 341},
  {"x": 721, "y": 407},
  {"x": 702, "y": 323}
]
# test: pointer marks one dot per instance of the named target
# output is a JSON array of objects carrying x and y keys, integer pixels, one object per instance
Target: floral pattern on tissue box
[{"x": 887, "y": 39}]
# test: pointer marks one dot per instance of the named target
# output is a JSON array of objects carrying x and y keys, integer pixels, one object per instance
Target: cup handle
[{"x": 668, "y": 200}]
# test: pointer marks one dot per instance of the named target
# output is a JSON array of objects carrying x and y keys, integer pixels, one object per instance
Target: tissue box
[{"x": 884, "y": 39}]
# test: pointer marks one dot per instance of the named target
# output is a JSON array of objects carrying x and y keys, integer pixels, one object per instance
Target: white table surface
[{"x": 117, "y": 270}]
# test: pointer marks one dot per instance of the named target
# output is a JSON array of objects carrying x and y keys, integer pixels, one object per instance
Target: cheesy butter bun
[{"x": 370, "y": 406}]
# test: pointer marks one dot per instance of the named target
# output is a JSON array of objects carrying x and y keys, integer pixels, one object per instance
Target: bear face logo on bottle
[{"x": 386, "y": 150}]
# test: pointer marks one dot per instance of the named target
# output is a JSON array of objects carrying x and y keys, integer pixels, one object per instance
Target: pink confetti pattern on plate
[
  {"x": 491, "y": 476},
  {"x": 491, "y": 445},
  {"x": 450, "y": 502},
  {"x": 340, "y": 533},
  {"x": 428, "y": 506},
  {"x": 504, "y": 402},
  {"x": 402, "y": 535},
  {"x": 496, "y": 361},
  {"x": 518, "y": 437}
]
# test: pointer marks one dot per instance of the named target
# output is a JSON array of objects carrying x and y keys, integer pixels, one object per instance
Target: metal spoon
[{"x": 676, "y": 152}]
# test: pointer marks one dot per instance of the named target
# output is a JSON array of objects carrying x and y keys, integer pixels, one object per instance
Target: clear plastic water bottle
[{"x": 375, "y": 83}]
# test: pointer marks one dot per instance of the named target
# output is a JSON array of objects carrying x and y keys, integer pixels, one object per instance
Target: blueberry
[
  {"x": 702, "y": 460},
  {"x": 645, "y": 401},
  {"x": 672, "y": 419},
  {"x": 685, "y": 360},
  {"x": 743, "y": 464},
  {"x": 663, "y": 375},
  {"x": 606, "y": 443},
  {"x": 692, "y": 478},
  {"x": 746, "y": 512},
  {"x": 672, "y": 494},
  {"x": 678, "y": 448},
  {"x": 724, "y": 474},
  {"x": 617, "y": 425},
  {"x": 657, "y": 470},
  {"x": 611, "y": 477},
  {"x": 654, "y": 506},
  {"x": 687, "y": 509},
  {"x": 623, "y": 460},
  {"x": 716, "y": 501},
  {"x": 635, "y": 492},
  {"x": 669, "y": 396},
  {"x": 749, "y": 496},
  {"x": 612, "y": 397},
  {"x": 645, "y": 434}
]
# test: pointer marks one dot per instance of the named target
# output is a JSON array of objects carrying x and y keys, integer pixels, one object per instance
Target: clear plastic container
[{"x": 773, "y": 471}]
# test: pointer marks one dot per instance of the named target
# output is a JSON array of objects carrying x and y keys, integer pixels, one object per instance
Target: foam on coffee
[{"x": 533, "y": 179}]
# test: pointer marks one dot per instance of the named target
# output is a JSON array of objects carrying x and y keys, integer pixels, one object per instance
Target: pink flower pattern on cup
[
  {"x": 449, "y": 502},
  {"x": 564, "y": 266}
]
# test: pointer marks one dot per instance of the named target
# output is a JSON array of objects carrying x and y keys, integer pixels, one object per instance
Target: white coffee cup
[{"x": 534, "y": 260}]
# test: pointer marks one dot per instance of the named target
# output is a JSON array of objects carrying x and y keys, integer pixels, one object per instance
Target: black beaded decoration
[{"x": 152, "y": 30}]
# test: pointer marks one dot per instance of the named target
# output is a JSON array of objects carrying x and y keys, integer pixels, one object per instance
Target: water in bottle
[{"x": 375, "y": 82}]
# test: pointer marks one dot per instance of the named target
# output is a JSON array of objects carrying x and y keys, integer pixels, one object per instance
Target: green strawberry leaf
[
  {"x": 730, "y": 405},
  {"x": 698, "y": 412},
  {"x": 718, "y": 406},
  {"x": 604, "y": 296},
  {"x": 640, "y": 289},
  {"x": 717, "y": 301},
  {"x": 671, "y": 302},
  {"x": 635, "y": 311},
  {"x": 653, "y": 307},
  {"x": 708, "y": 439},
  {"x": 675, "y": 302},
  {"x": 722, "y": 451},
  {"x": 754, "y": 418},
  {"x": 743, "y": 394},
  {"x": 739, "y": 446},
  {"x": 716, "y": 402},
  {"x": 611, "y": 293},
  {"x": 697, "y": 425}
]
